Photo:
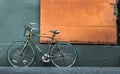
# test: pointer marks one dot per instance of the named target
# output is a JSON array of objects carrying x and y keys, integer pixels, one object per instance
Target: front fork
[{"x": 23, "y": 48}]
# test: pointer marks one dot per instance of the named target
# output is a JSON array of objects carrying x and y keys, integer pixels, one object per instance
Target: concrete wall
[{"x": 14, "y": 14}]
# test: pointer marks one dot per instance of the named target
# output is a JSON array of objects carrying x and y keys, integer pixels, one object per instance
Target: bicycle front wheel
[
  {"x": 63, "y": 55},
  {"x": 23, "y": 60}
]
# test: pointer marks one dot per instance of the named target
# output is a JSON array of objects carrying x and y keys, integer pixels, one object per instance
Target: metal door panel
[{"x": 80, "y": 21}]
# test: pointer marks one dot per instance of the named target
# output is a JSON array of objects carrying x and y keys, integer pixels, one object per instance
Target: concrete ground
[{"x": 62, "y": 70}]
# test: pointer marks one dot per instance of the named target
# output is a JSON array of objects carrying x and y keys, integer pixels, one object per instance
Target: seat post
[{"x": 53, "y": 36}]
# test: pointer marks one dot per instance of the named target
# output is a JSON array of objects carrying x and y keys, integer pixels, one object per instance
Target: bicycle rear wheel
[
  {"x": 17, "y": 60},
  {"x": 63, "y": 55}
]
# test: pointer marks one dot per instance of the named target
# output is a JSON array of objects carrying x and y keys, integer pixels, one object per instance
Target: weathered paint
[{"x": 80, "y": 21}]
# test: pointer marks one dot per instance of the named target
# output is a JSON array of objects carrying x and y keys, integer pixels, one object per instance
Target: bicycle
[{"x": 22, "y": 53}]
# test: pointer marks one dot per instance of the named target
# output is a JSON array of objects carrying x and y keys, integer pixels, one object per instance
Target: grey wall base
[{"x": 88, "y": 56}]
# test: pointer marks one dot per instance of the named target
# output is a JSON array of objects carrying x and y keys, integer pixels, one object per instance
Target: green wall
[{"x": 14, "y": 14}]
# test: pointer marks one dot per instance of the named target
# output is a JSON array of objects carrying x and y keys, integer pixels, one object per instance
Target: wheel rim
[
  {"x": 14, "y": 57},
  {"x": 68, "y": 58}
]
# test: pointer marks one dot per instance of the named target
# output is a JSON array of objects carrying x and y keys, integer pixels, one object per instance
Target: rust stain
[{"x": 83, "y": 21}]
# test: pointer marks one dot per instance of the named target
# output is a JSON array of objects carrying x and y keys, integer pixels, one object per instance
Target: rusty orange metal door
[{"x": 79, "y": 21}]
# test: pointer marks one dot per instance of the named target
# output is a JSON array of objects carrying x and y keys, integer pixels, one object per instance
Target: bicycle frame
[{"x": 29, "y": 40}]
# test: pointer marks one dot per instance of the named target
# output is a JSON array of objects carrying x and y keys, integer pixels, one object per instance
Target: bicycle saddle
[{"x": 55, "y": 31}]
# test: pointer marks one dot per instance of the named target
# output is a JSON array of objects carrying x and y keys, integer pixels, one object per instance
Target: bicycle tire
[
  {"x": 65, "y": 57},
  {"x": 14, "y": 57}
]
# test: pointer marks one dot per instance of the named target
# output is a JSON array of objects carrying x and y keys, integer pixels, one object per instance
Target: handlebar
[{"x": 29, "y": 28}]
